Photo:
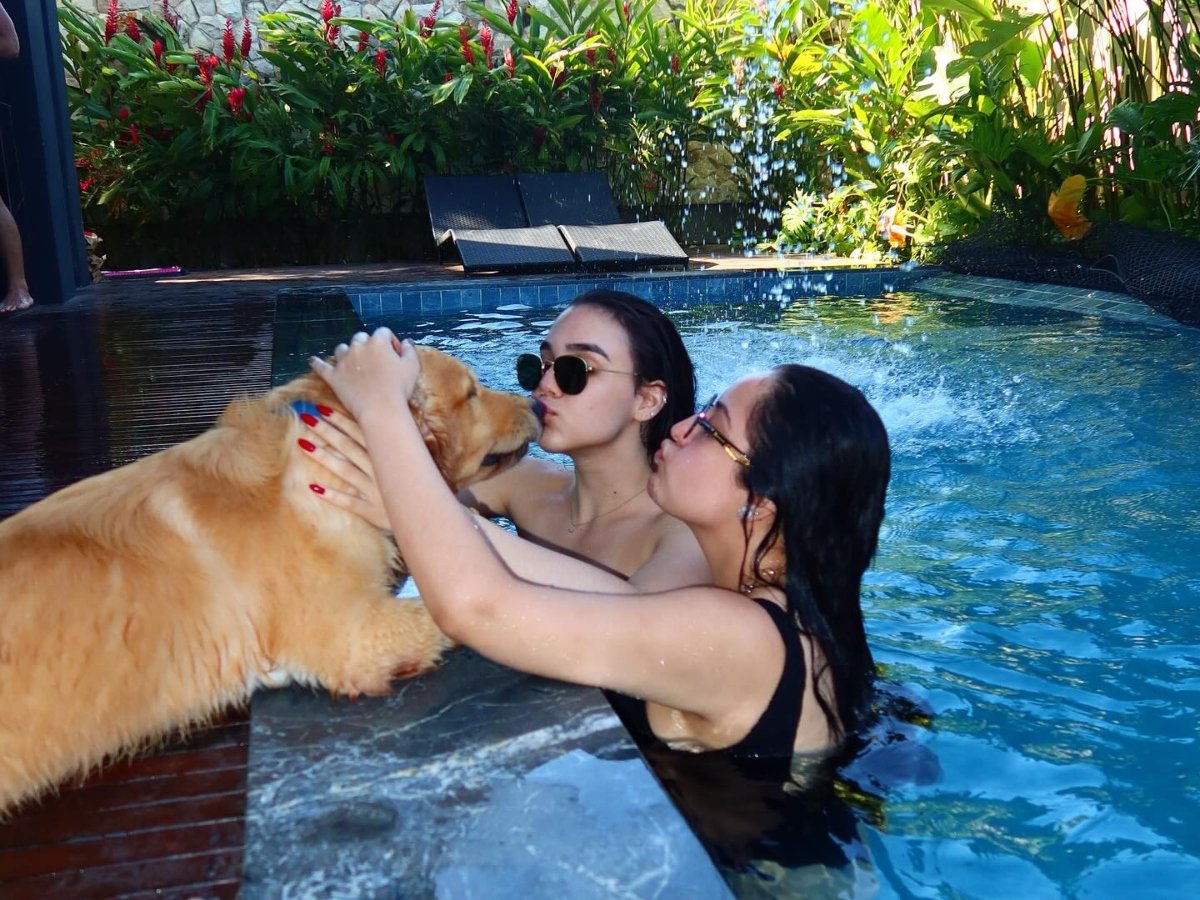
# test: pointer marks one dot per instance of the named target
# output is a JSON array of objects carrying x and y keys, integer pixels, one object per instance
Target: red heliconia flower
[
  {"x": 363, "y": 40},
  {"x": 327, "y": 148},
  {"x": 86, "y": 185},
  {"x": 674, "y": 63},
  {"x": 158, "y": 51},
  {"x": 464, "y": 39},
  {"x": 591, "y": 51},
  {"x": 539, "y": 136},
  {"x": 134, "y": 138},
  {"x": 171, "y": 18},
  {"x": 131, "y": 29},
  {"x": 391, "y": 138},
  {"x": 332, "y": 31},
  {"x": 204, "y": 98},
  {"x": 425, "y": 26},
  {"x": 381, "y": 61},
  {"x": 206, "y": 66},
  {"x": 777, "y": 87},
  {"x": 612, "y": 55},
  {"x": 246, "y": 38},
  {"x": 227, "y": 41},
  {"x": 447, "y": 76},
  {"x": 509, "y": 62},
  {"x": 123, "y": 113},
  {"x": 625, "y": 10},
  {"x": 326, "y": 11},
  {"x": 236, "y": 98},
  {"x": 110, "y": 21},
  {"x": 594, "y": 101},
  {"x": 560, "y": 77},
  {"x": 511, "y": 11},
  {"x": 487, "y": 41}
]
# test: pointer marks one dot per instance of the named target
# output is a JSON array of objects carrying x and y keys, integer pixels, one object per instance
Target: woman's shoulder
[
  {"x": 530, "y": 480},
  {"x": 540, "y": 475}
]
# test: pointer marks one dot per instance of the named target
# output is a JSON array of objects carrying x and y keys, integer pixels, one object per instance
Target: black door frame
[{"x": 37, "y": 154}]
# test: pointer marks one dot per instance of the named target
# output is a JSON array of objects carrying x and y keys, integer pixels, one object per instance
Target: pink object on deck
[{"x": 142, "y": 273}]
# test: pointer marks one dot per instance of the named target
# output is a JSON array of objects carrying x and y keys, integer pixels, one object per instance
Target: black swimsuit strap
[{"x": 775, "y": 732}]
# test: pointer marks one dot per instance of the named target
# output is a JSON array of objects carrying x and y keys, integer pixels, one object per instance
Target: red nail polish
[
  {"x": 308, "y": 419},
  {"x": 306, "y": 445},
  {"x": 326, "y": 411},
  {"x": 316, "y": 489}
]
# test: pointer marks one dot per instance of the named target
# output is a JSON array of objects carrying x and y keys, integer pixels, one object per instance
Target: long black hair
[
  {"x": 658, "y": 355},
  {"x": 820, "y": 453}
]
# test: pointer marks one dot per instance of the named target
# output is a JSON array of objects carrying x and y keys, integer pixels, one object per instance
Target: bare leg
[{"x": 18, "y": 296}]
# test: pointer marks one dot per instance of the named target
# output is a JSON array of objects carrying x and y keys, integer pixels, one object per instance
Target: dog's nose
[{"x": 539, "y": 409}]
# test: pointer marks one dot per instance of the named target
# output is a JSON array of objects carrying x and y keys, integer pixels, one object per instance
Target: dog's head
[{"x": 472, "y": 432}]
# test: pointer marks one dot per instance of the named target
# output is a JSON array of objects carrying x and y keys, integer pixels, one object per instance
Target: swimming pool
[{"x": 1034, "y": 590}]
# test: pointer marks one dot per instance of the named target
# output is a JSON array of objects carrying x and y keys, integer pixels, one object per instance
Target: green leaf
[
  {"x": 1030, "y": 62},
  {"x": 1127, "y": 116}
]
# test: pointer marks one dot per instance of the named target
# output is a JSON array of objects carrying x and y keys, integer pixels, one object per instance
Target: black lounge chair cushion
[
  {"x": 644, "y": 243},
  {"x": 568, "y": 198},
  {"x": 472, "y": 202},
  {"x": 512, "y": 249}
]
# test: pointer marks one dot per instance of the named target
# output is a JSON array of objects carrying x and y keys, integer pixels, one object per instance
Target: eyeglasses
[
  {"x": 571, "y": 372},
  {"x": 731, "y": 449}
]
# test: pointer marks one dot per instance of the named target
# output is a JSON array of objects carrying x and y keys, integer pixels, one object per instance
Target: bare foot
[{"x": 18, "y": 300}]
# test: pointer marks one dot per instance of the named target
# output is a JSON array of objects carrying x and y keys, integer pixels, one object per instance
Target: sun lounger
[
  {"x": 483, "y": 219},
  {"x": 582, "y": 206}
]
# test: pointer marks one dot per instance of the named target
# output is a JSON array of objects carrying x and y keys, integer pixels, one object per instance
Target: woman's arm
[
  {"x": 338, "y": 445},
  {"x": 685, "y": 649}
]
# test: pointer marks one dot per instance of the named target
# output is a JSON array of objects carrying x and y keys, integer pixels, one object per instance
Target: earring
[{"x": 744, "y": 512}]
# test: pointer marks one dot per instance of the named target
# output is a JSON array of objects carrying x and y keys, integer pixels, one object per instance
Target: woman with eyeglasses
[{"x": 781, "y": 478}]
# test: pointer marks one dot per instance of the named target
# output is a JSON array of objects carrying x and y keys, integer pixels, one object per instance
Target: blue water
[{"x": 1035, "y": 590}]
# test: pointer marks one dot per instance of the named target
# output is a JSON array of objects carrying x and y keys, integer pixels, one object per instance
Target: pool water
[{"x": 1035, "y": 591}]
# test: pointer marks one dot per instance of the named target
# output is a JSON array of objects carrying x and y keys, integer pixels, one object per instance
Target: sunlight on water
[{"x": 1035, "y": 587}]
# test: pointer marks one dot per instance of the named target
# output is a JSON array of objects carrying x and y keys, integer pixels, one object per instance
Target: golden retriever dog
[{"x": 157, "y": 594}]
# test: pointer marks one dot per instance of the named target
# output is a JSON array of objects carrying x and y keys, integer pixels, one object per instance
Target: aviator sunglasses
[
  {"x": 571, "y": 372},
  {"x": 731, "y": 449}
]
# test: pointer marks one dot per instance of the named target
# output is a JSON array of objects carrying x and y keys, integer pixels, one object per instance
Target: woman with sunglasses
[
  {"x": 781, "y": 478},
  {"x": 612, "y": 376}
]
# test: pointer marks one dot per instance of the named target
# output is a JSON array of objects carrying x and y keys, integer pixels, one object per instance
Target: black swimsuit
[{"x": 774, "y": 734}]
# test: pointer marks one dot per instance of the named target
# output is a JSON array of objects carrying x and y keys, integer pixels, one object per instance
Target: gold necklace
[{"x": 572, "y": 524}]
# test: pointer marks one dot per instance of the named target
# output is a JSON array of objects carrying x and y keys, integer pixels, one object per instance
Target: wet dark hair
[
  {"x": 820, "y": 453},
  {"x": 658, "y": 355}
]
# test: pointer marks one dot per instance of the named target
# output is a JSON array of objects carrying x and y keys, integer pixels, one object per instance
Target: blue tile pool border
[{"x": 444, "y": 297}]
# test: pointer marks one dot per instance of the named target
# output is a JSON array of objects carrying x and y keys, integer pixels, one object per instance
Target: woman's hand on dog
[
  {"x": 372, "y": 373},
  {"x": 340, "y": 448}
]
